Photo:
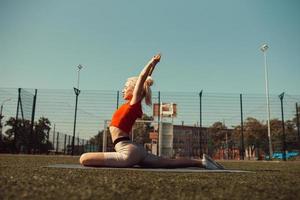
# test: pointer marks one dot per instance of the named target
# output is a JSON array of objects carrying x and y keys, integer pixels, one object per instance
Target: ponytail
[{"x": 147, "y": 89}]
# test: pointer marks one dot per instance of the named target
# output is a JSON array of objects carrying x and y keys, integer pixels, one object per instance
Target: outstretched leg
[
  {"x": 154, "y": 161},
  {"x": 160, "y": 162}
]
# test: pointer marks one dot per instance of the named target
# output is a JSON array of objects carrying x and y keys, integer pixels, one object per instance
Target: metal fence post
[
  {"x": 33, "y": 141},
  {"x": 57, "y": 142},
  {"x": 242, "y": 149},
  {"x": 19, "y": 106},
  {"x": 65, "y": 144},
  {"x": 69, "y": 141},
  {"x": 83, "y": 146},
  {"x": 53, "y": 139},
  {"x": 77, "y": 92},
  {"x": 200, "y": 127},
  {"x": 283, "y": 128},
  {"x": 118, "y": 94},
  {"x": 158, "y": 126},
  {"x": 297, "y": 122},
  {"x": 104, "y": 142}
]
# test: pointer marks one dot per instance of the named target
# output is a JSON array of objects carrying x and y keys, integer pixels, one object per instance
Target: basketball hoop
[{"x": 165, "y": 110}]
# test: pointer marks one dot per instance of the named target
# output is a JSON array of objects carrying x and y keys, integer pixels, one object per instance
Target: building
[{"x": 188, "y": 141}]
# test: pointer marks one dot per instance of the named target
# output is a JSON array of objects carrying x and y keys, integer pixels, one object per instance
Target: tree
[
  {"x": 295, "y": 118},
  {"x": 295, "y": 121},
  {"x": 291, "y": 135},
  {"x": 217, "y": 134},
  {"x": 276, "y": 131},
  {"x": 1, "y": 117},
  {"x": 18, "y": 137},
  {"x": 41, "y": 135},
  {"x": 255, "y": 135},
  {"x": 97, "y": 140}
]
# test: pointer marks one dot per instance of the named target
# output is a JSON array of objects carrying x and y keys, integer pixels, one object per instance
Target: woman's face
[{"x": 127, "y": 91}]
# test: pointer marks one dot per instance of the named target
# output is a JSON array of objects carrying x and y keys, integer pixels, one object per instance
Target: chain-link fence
[{"x": 205, "y": 122}]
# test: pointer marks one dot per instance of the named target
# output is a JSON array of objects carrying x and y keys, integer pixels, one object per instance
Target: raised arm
[{"x": 147, "y": 71}]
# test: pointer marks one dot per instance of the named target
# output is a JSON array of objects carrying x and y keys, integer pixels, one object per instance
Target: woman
[{"x": 128, "y": 153}]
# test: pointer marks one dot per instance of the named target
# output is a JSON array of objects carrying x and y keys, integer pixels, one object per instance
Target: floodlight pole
[
  {"x": 283, "y": 129},
  {"x": 77, "y": 92},
  {"x": 264, "y": 48}
]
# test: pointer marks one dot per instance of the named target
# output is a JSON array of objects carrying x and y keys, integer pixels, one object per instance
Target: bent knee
[
  {"x": 83, "y": 159},
  {"x": 86, "y": 159},
  {"x": 92, "y": 159}
]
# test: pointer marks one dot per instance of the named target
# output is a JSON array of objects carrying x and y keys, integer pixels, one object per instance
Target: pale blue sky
[{"x": 210, "y": 45}]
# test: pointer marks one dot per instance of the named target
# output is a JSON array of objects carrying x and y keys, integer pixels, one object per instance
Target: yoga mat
[{"x": 136, "y": 168}]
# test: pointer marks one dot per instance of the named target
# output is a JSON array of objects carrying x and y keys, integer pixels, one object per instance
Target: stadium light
[
  {"x": 264, "y": 49},
  {"x": 79, "y": 68},
  {"x": 77, "y": 92}
]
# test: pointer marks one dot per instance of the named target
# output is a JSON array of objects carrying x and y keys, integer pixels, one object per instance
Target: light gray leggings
[{"x": 129, "y": 154}]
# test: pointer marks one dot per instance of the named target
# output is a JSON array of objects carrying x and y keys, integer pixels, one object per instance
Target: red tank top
[{"x": 126, "y": 115}]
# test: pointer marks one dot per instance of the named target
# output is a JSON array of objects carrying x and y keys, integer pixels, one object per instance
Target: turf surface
[{"x": 25, "y": 177}]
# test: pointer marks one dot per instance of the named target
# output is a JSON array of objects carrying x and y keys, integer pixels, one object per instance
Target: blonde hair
[{"x": 131, "y": 82}]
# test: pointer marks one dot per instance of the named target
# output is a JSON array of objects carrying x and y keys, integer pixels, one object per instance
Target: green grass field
[{"x": 25, "y": 177}]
